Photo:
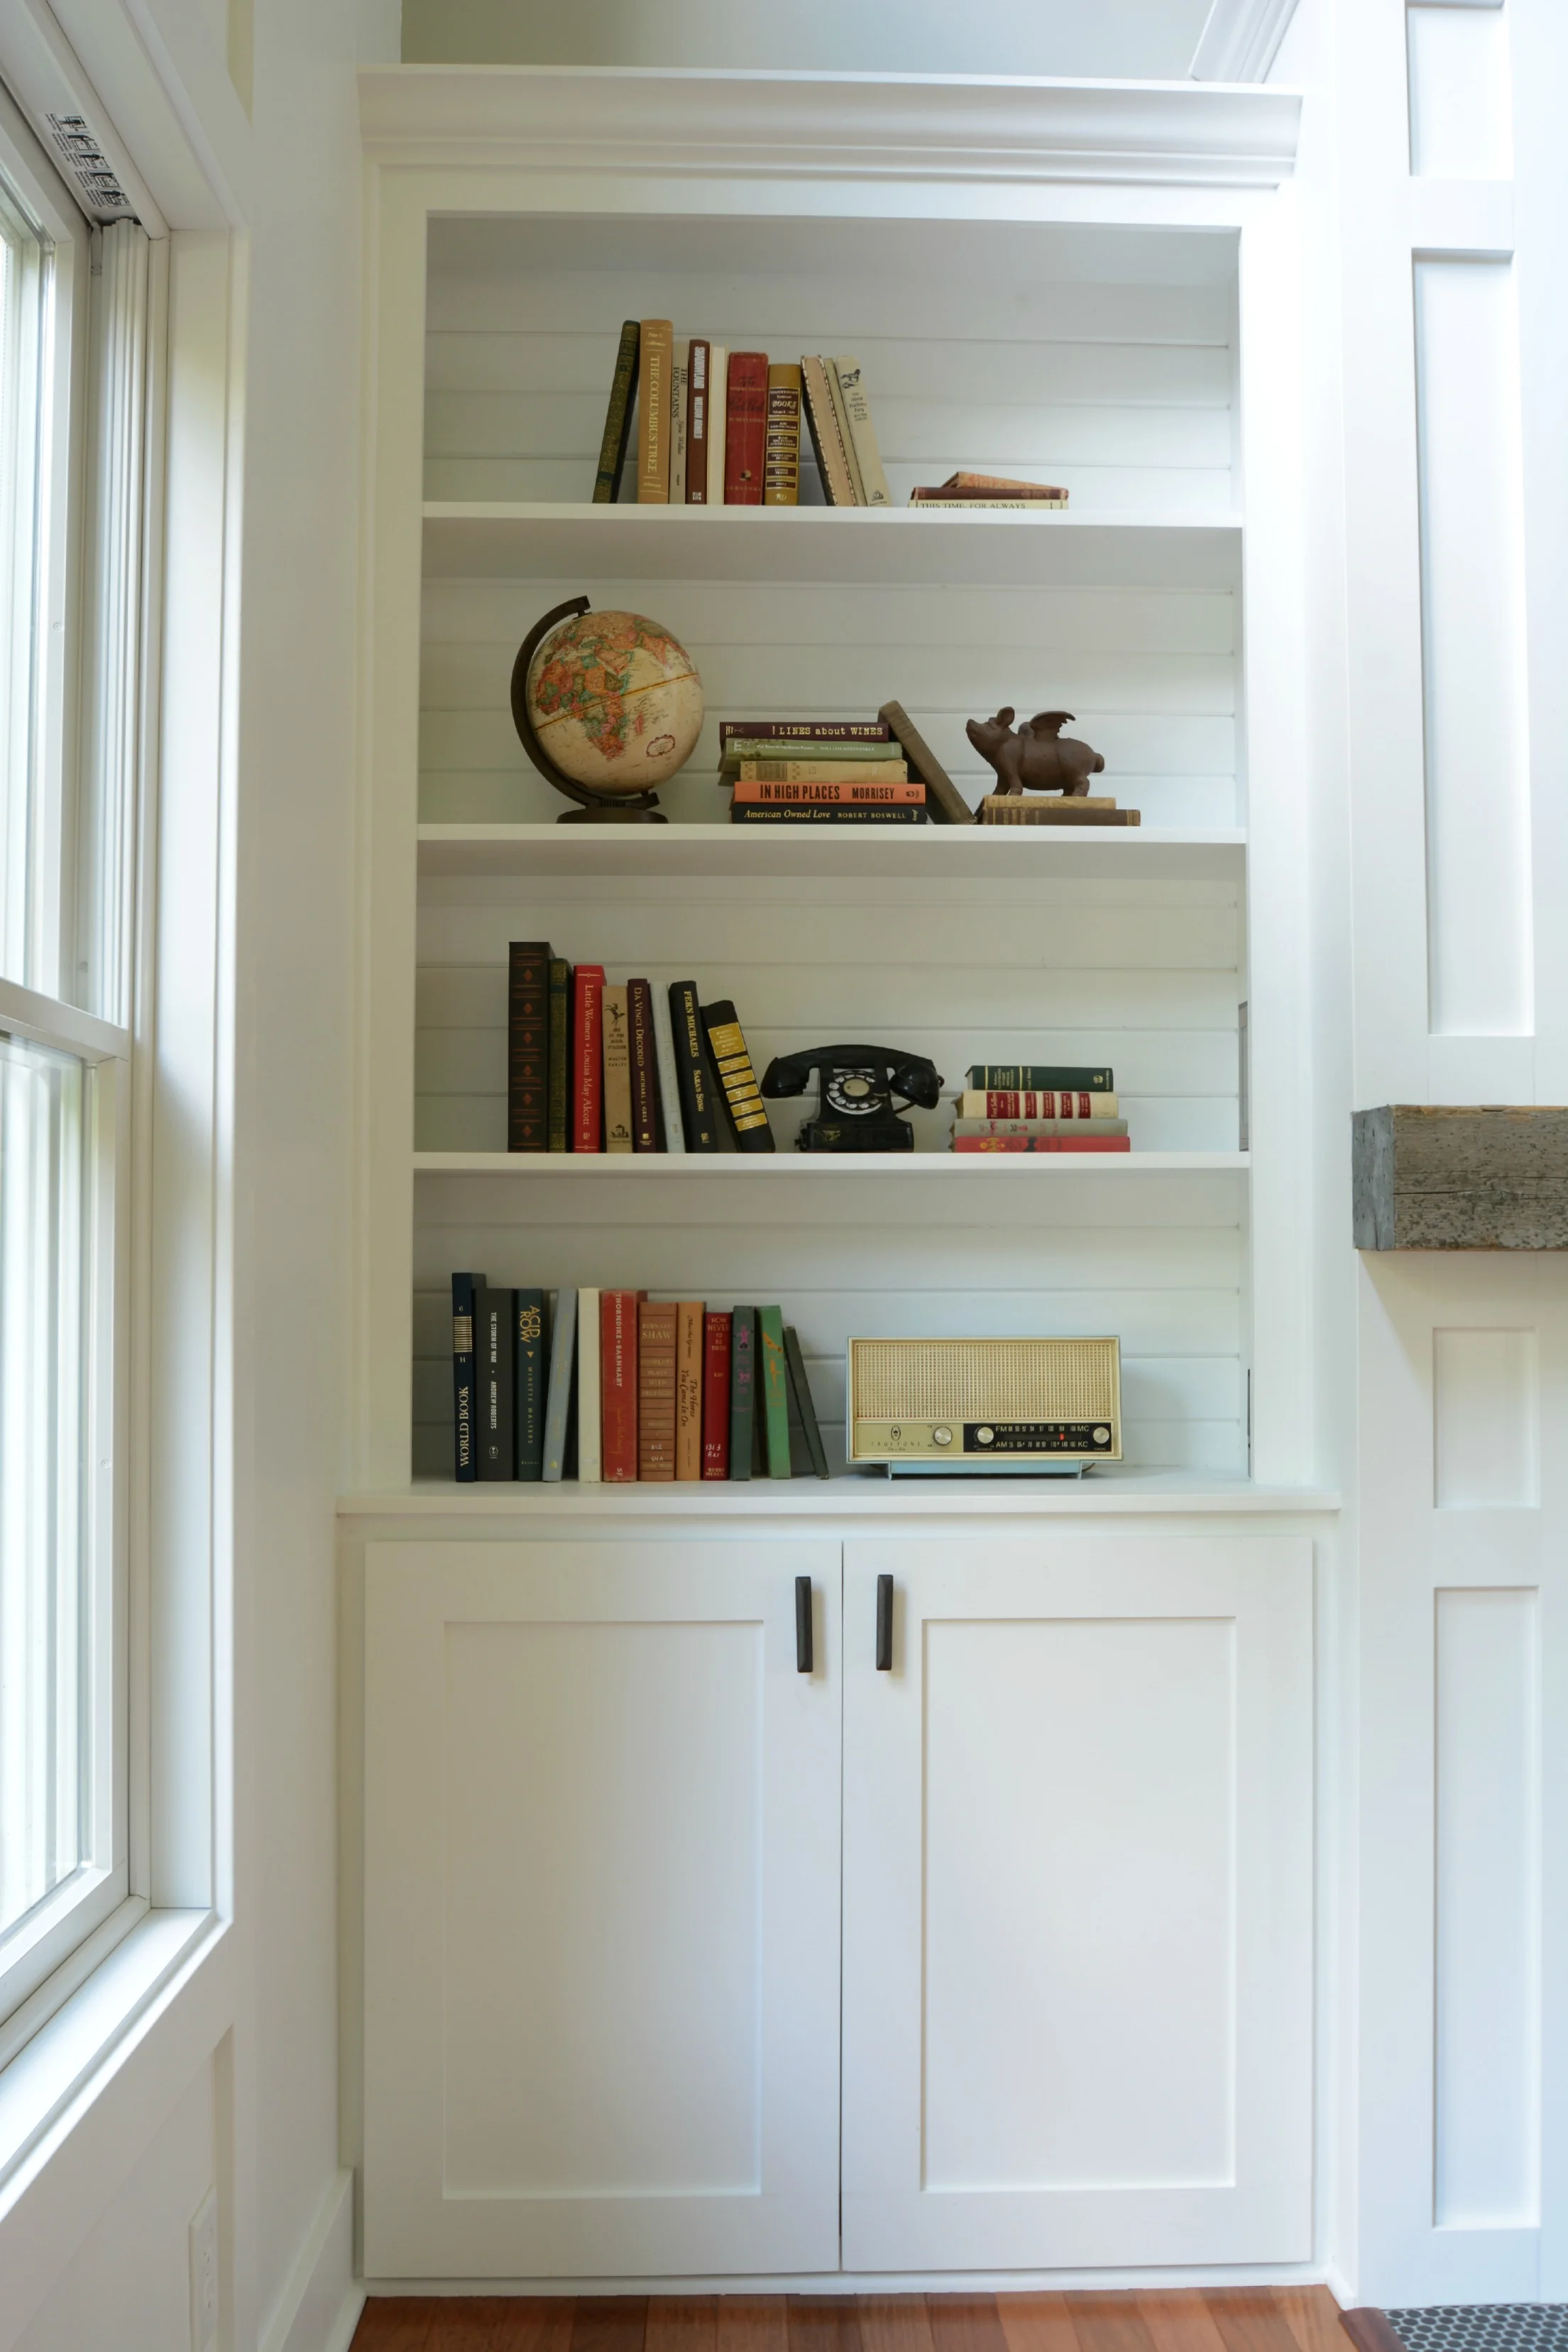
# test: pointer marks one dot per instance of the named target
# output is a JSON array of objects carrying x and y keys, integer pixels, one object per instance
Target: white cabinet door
[
  {"x": 601, "y": 1910},
  {"x": 1077, "y": 1905}
]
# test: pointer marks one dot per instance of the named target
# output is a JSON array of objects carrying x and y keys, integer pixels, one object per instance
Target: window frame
[{"x": 90, "y": 624}]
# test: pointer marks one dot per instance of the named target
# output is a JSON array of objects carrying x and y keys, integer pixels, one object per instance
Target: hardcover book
[
  {"x": 671, "y": 1131},
  {"x": 747, "y": 430},
  {"x": 697, "y": 421},
  {"x": 656, "y": 1338},
  {"x": 590, "y": 1431},
  {"x": 929, "y": 503},
  {"x": 656, "y": 363},
  {"x": 680, "y": 366},
  {"x": 1020, "y": 808},
  {"x": 527, "y": 1046},
  {"x": 781, "y": 459},
  {"x": 761, "y": 770},
  {"x": 946, "y": 802},
  {"x": 742, "y": 1390},
  {"x": 1064, "y": 1142},
  {"x": 587, "y": 1056},
  {"x": 689, "y": 1389},
  {"x": 1080, "y": 1077},
  {"x": 874, "y": 491},
  {"x": 966, "y": 1127},
  {"x": 744, "y": 813},
  {"x": 618, "y": 1318},
  {"x": 747, "y": 736},
  {"x": 827, "y": 439},
  {"x": 616, "y": 1068},
  {"x": 1037, "y": 1102},
  {"x": 558, "y": 1407},
  {"x": 644, "y": 1067},
  {"x": 495, "y": 1313},
  {"x": 856, "y": 750},
  {"x": 559, "y": 1026},
  {"x": 773, "y": 1375},
  {"x": 699, "y": 1112},
  {"x": 994, "y": 485},
  {"x": 820, "y": 793},
  {"x": 737, "y": 1085},
  {"x": 716, "y": 1396},
  {"x": 717, "y": 420},
  {"x": 528, "y": 1383},
  {"x": 618, "y": 417},
  {"x": 800, "y": 1389},
  {"x": 466, "y": 1289},
  {"x": 842, "y": 419}
]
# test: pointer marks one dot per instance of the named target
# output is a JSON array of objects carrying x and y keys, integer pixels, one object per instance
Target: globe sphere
[{"x": 616, "y": 703}]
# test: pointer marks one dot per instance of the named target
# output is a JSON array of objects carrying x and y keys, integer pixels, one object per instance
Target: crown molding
[
  {"x": 724, "y": 124},
  {"x": 1241, "y": 39}
]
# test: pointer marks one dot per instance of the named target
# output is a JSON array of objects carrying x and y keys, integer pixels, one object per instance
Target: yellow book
[
  {"x": 653, "y": 415},
  {"x": 824, "y": 772},
  {"x": 617, "y": 1069}
]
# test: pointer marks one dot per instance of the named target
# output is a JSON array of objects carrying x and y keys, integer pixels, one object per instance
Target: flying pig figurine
[{"x": 1038, "y": 758}]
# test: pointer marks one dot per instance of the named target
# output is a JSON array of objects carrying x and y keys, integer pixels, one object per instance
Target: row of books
[
  {"x": 1038, "y": 1108},
  {"x": 875, "y": 772},
  {"x": 596, "y": 1064},
  {"x": 611, "y": 1388},
  {"x": 717, "y": 427}
]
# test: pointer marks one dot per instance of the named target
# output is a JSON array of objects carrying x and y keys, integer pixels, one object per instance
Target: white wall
[{"x": 1147, "y": 39}]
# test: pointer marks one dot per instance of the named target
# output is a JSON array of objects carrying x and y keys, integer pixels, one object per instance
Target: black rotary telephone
[{"x": 857, "y": 1082}]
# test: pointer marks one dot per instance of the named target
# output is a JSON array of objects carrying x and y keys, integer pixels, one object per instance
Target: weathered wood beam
[{"x": 1487, "y": 1177}]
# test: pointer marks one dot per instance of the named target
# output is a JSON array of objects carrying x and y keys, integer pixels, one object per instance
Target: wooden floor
[{"x": 1228, "y": 2319}]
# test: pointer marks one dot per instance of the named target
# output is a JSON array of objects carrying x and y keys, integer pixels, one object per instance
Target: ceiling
[{"x": 1140, "y": 40}]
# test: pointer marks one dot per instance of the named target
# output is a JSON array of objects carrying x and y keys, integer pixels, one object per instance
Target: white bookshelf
[{"x": 1097, "y": 341}]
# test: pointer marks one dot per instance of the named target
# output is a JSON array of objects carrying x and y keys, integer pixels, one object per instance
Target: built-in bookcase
[{"x": 1105, "y": 353}]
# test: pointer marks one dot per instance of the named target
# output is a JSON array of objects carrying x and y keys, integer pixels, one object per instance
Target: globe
[{"x": 614, "y": 701}]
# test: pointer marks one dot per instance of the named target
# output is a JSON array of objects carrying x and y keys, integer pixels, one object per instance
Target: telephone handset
[{"x": 856, "y": 1111}]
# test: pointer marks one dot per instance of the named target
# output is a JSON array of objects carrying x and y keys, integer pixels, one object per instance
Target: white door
[
  {"x": 1077, "y": 1904},
  {"x": 601, "y": 1909}
]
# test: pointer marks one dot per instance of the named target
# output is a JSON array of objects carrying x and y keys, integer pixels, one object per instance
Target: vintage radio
[{"x": 925, "y": 1407}]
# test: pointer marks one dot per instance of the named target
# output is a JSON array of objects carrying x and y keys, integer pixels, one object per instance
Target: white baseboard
[
  {"x": 1340, "y": 2288},
  {"x": 319, "y": 2306}
]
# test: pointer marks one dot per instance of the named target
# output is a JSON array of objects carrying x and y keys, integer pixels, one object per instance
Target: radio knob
[
  {"x": 941, "y": 1437},
  {"x": 985, "y": 1436},
  {"x": 1102, "y": 1437}
]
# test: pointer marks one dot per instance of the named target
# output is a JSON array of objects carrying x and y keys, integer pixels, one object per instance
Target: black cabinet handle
[
  {"x": 884, "y": 1624},
  {"x": 802, "y": 1624}
]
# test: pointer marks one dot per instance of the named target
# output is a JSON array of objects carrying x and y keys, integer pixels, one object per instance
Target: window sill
[{"x": 71, "y": 2052}]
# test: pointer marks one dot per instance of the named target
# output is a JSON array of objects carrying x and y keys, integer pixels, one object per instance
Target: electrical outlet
[{"x": 204, "y": 2274}]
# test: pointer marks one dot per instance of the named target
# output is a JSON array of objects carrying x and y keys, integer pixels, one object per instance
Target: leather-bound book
[
  {"x": 560, "y": 1025},
  {"x": 716, "y": 1396},
  {"x": 527, "y": 1046},
  {"x": 745, "y": 431},
  {"x": 645, "y": 1066},
  {"x": 618, "y": 1317},
  {"x": 781, "y": 457},
  {"x": 738, "y": 1084},
  {"x": 689, "y": 1389},
  {"x": 656, "y": 1404},
  {"x": 656, "y": 366}
]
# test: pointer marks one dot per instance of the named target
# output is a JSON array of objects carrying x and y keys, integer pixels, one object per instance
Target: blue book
[
  {"x": 466, "y": 1289},
  {"x": 558, "y": 1422},
  {"x": 528, "y": 1383}
]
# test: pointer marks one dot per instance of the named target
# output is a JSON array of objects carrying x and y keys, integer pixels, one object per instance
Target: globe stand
[{"x": 595, "y": 808}]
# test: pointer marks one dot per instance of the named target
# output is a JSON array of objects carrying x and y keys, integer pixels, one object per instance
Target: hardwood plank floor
[{"x": 1216, "y": 2319}]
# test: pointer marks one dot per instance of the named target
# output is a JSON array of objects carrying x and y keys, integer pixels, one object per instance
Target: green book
[
  {"x": 618, "y": 416},
  {"x": 775, "y": 1385},
  {"x": 767, "y": 746},
  {"x": 560, "y": 1041}
]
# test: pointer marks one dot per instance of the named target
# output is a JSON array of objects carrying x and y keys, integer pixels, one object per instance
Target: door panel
[
  {"x": 1077, "y": 1867},
  {"x": 601, "y": 1916}
]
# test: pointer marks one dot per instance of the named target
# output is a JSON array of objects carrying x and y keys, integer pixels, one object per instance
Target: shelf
[
  {"x": 1083, "y": 550},
  {"x": 648, "y": 1167},
  {"x": 857, "y": 1495},
  {"x": 931, "y": 852}
]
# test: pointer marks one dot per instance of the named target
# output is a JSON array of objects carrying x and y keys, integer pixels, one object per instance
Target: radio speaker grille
[{"x": 992, "y": 1379}]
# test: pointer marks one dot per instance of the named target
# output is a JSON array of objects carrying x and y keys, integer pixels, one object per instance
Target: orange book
[
  {"x": 617, "y": 1385},
  {"x": 656, "y": 1338}
]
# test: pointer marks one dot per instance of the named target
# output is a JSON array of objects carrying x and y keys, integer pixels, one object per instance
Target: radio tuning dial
[
  {"x": 941, "y": 1437},
  {"x": 1102, "y": 1437},
  {"x": 985, "y": 1436}
]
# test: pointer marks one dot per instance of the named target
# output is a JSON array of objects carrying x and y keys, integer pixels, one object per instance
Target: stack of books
[
  {"x": 1011, "y": 1107},
  {"x": 611, "y": 1387},
  {"x": 597, "y": 1065},
  {"x": 717, "y": 427},
  {"x": 962, "y": 493},
  {"x": 817, "y": 772}
]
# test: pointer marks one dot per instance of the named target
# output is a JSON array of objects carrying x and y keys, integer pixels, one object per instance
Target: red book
[
  {"x": 618, "y": 1385},
  {"x": 645, "y": 1066},
  {"x": 716, "y": 1396},
  {"x": 745, "y": 429},
  {"x": 587, "y": 1058},
  {"x": 1042, "y": 1143}
]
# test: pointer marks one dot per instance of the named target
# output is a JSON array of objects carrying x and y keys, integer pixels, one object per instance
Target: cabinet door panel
[
  {"x": 601, "y": 1915},
  {"x": 1077, "y": 1883}
]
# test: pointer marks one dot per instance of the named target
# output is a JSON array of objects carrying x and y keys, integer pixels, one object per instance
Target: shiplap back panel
[
  {"x": 1149, "y": 675},
  {"x": 1141, "y": 975},
  {"x": 980, "y": 350}
]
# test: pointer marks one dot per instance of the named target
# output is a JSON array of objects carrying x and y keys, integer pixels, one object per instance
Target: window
[{"x": 73, "y": 362}]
